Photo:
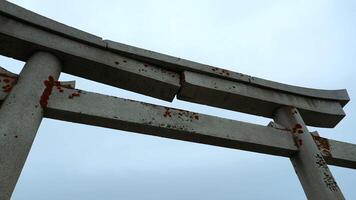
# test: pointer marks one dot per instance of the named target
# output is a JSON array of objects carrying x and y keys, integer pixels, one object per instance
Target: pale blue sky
[{"x": 305, "y": 43}]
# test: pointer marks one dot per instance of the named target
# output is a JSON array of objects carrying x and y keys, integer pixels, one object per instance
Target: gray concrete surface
[
  {"x": 7, "y": 81},
  {"x": 166, "y": 62},
  {"x": 254, "y": 100},
  {"x": 123, "y": 114},
  {"x": 179, "y": 64},
  {"x": 21, "y": 114},
  {"x": 19, "y": 40},
  {"x": 82, "y": 54},
  {"x": 86, "y": 111},
  {"x": 309, "y": 164},
  {"x": 40, "y": 21}
]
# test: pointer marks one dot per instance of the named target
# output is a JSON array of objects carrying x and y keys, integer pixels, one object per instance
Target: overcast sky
[{"x": 305, "y": 43}]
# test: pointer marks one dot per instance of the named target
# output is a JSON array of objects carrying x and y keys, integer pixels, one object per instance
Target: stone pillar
[{"x": 21, "y": 114}]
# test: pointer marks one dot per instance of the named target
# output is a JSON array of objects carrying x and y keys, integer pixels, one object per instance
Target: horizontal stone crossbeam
[{"x": 90, "y": 108}]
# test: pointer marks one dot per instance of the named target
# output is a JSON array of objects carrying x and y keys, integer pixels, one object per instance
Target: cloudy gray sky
[{"x": 306, "y": 43}]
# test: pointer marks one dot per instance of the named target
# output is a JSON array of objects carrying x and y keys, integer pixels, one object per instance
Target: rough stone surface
[
  {"x": 59, "y": 107},
  {"x": 19, "y": 40},
  {"x": 163, "y": 61},
  {"x": 180, "y": 65},
  {"x": 13, "y": 10},
  {"x": 254, "y": 100},
  {"x": 309, "y": 163},
  {"x": 21, "y": 114},
  {"x": 123, "y": 114}
]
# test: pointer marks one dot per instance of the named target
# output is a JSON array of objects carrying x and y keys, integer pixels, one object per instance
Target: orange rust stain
[{"x": 323, "y": 145}]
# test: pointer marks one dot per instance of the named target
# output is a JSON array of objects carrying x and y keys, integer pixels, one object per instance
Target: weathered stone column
[
  {"x": 309, "y": 164},
  {"x": 21, "y": 114}
]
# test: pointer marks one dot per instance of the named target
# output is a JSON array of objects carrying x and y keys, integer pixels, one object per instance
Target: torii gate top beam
[
  {"x": 24, "y": 32},
  {"x": 165, "y": 61}
]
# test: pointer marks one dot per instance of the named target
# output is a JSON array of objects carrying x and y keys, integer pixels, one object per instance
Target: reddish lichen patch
[
  {"x": 278, "y": 127},
  {"x": 300, "y": 142},
  {"x": 221, "y": 71},
  {"x": 182, "y": 78},
  {"x": 167, "y": 113},
  {"x": 75, "y": 94},
  {"x": 47, "y": 91},
  {"x": 186, "y": 115},
  {"x": 8, "y": 89},
  {"x": 323, "y": 145},
  {"x": 181, "y": 114},
  {"x": 10, "y": 82},
  {"x": 49, "y": 84},
  {"x": 297, "y": 128},
  {"x": 194, "y": 116},
  {"x": 60, "y": 86}
]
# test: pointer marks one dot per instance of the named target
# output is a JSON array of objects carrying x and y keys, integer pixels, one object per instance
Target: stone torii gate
[{"x": 49, "y": 48}]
